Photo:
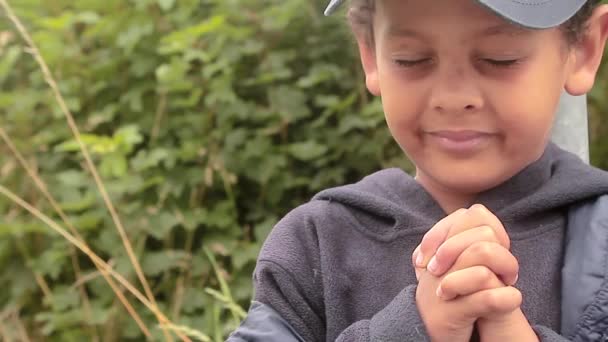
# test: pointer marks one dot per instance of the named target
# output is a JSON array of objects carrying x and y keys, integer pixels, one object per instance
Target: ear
[
  {"x": 368, "y": 60},
  {"x": 586, "y": 55}
]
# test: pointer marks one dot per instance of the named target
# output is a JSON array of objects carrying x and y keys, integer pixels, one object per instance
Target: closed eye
[
  {"x": 501, "y": 63},
  {"x": 411, "y": 63}
]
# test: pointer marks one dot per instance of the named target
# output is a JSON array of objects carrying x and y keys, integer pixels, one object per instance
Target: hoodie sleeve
[
  {"x": 547, "y": 335},
  {"x": 287, "y": 276},
  {"x": 398, "y": 321},
  {"x": 288, "y": 280}
]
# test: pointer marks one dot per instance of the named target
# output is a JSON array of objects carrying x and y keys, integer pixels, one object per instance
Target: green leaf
[
  {"x": 263, "y": 228},
  {"x": 73, "y": 178},
  {"x": 289, "y": 102},
  {"x": 184, "y": 38},
  {"x": 156, "y": 263},
  {"x": 88, "y": 221},
  {"x": 151, "y": 159},
  {"x": 127, "y": 138},
  {"x": 76, "y": 205},
  {"x": 65, "y": 298},
  {"x": 166, "y": 5},
  {"x": 51, "y": 261},
  {"x": 113, "y": 165},
  {"x": 96, "y": 144},
  {"x": 194, "y": 299},
  {"x": 87, "y": 17},
  {"x": 19, "y": 228},
  {"x": 244, "y": 254},
  {"x": 161, "y": 224},
  {"x": 307, "y": 151},
  {"x": 8, "y": 62},
  {"x": 221, "y": 216}
]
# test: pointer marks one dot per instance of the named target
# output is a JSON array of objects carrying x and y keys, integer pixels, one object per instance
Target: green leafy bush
[{"x": 208, "y": 121}]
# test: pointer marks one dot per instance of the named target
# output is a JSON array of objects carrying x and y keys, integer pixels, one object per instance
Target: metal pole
[{"x": 570, "y": 129}]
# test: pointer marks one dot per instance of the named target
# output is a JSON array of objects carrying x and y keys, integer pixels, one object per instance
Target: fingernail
[
  {"x": 420, "y": 260},
  {"x": 439, "y": 291},
  {"x": 516, "y": 278}
]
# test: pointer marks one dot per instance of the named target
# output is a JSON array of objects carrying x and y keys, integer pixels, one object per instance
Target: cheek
[
  {"x": 403, "y": 102},
  {"x": 401, "y": 112},
  {"x": 527, "y": 113},
  {"x": 528, "y": 100}
]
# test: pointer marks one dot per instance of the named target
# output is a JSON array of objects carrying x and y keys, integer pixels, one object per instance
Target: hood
[{"x": 546, "y": 187}]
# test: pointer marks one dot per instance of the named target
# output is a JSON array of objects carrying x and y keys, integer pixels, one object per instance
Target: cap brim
[
  {"x": 528, "y": 13},
  {"x": 533, "y": 13}
]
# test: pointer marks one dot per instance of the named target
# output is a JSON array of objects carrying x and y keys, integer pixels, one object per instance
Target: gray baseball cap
[{"x": 537, "y": 14}]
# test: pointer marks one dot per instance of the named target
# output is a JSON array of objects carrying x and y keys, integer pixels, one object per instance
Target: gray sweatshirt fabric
[{"x": 338, "y": 267}]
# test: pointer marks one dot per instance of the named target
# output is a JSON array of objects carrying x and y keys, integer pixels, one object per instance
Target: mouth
[{"x": 461, "y": 142}]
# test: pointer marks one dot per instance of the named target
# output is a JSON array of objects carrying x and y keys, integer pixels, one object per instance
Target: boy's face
[{"x": 468, "y": 96}]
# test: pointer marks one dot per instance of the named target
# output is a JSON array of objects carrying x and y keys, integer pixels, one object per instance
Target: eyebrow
[
  {"x": 503, "y": 29},
  {"x": 403, "y": 32},
  {"x": 497, "y": 30}
]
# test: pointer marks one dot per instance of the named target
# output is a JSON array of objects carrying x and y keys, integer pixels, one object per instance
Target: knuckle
[
  {"x": 430, "y": 237},
  {"x": 443, "y": 252},
  {"x": 493, "y": 300},
  {"x": 517, "y": 298},
  {"x": 485, "y": 275},
  {"x": 425, "y": 243},
  {"x": 479, "y": 209},
  {"x": 442, "y": 256},
  {"x": 459, "y": 212},
  {"x": 446, "y": 254},
  {"x": 487, "y": 216},
  {"x": 483, "y": 249},
  {"x": 487, "y": 233},
  {"x": 500, "y": 301},
  {"x": 447, "y": 285}
]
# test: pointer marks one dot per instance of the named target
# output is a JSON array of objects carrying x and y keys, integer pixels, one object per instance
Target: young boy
[{"x": 514, "y": 230}]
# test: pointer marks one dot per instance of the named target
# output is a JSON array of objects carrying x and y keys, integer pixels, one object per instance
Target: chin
[{"x": 471, "y": 184}]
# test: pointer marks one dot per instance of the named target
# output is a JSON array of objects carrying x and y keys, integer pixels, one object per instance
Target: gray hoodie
[{"x": 338, "y": 267}]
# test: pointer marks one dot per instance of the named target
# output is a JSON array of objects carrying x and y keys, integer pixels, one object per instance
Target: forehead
[
  {"x": 430, "y": 7},
  {"x": 420, "y": 18},
  {"x": 500, "y": 29}
]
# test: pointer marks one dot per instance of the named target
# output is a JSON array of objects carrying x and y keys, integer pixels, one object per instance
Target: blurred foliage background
[{"x": 208, "y": 121}]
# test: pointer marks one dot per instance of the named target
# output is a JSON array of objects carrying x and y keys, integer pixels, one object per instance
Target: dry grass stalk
[
  {"x": 184, "y": 278},
  {"x": 44, "y": 189},
  {"x": 72, "y": 124},
  {"x": 4, "y": 333},
  {"x": 20, "y": 328},
  {"x": 91, "y": 276},
  {"x": 44, "y": 287},
  {"x": 94, "y": 257}
]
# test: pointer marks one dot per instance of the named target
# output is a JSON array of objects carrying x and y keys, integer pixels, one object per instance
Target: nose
[{"x": 455, "y": 91}]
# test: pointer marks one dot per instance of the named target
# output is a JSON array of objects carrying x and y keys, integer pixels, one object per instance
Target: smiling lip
[{"x": 463, "y": 142}]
